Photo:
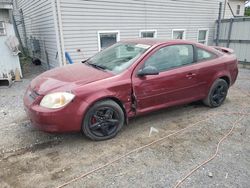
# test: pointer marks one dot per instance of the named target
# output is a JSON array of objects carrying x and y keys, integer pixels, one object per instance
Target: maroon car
[{"x": 130, "y": 78}]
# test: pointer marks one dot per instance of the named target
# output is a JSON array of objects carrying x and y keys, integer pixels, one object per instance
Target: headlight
[{"x": 56, "y": 100}]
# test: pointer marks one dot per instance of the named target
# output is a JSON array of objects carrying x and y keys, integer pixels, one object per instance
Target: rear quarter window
[{"x": 203, "y": 55}]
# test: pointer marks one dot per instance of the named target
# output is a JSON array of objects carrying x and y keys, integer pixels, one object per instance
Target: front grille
[{"x": 33, "y": 94}]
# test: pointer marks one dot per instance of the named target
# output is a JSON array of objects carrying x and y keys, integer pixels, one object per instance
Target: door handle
[{"x": 190, "y": 75}]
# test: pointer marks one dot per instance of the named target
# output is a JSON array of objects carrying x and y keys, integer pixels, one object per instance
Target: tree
[{"x": 247, "y": 11}]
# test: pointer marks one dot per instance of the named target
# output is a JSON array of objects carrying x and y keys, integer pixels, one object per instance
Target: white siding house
[
  {"x": 9, "y": 61},
  {"x": 84, "y": 27},
  {"x": 38, "y": 30},
  {"x": 237, "y": 8}
]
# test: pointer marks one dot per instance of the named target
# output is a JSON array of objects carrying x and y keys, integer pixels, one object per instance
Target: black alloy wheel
[
  {"x": 217, "y": 94},
  {"x": 103, "y": 120}
]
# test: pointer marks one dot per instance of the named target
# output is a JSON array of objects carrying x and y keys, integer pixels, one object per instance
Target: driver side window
[{"x": 170, "y": 57}]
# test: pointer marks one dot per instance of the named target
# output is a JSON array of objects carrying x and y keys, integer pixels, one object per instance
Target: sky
[{"x": 248, "y": 4}]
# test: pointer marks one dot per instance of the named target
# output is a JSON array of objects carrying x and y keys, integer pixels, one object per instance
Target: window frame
[
  {"x": 117, "y": 32},
  {"x": 238, "y": 8},
  {"x": 157, "y": 49},
  {"x": 184, "y": 33},
  {"x": 207, "y": 34},
  {"x": 4, "y": 29},
  {"x": 148, "y": 30}
]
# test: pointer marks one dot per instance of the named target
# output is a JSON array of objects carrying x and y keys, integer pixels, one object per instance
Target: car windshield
[{"x": 118, "y": 57}]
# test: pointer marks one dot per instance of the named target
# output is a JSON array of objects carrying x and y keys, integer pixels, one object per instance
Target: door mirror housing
[{"x": 148, "y": 70}]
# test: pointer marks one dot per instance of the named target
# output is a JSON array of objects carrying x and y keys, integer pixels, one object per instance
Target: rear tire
[
  {"x": 103, "y": 120},
  {"x": 217, "y": 93}
]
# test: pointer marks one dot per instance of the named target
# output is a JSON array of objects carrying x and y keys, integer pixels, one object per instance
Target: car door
[{"x": 176, "y": 82}]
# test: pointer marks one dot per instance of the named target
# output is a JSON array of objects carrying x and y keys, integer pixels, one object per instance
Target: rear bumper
[{"x": 234, "y": 75}]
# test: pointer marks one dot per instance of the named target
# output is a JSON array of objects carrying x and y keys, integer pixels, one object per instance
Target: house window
[
  {"x": 148, "y": 34},
  {"x": 179, "y": 34},
  {"x": 203, "y": 36},
  {"x": 238, "y": 10},
  {"x": 107, "y": 38},
  {"x": 2, "y": 28}
]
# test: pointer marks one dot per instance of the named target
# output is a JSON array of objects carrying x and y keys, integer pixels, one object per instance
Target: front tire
[
  {"x": 103, "y": 120},
  {"x": 217, "y": 94}
]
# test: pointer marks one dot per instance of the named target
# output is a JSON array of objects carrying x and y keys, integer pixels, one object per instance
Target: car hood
[{"x": 67, "y": 78}]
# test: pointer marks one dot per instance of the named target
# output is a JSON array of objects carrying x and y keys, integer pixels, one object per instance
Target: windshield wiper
[{"x": 96, "y": 66}]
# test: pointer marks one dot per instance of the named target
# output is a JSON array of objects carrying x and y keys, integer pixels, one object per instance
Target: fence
[{"x": 235, "y": 33}]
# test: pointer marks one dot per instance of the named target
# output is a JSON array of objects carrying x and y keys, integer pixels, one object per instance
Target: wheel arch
[
  {"x": 115, "y": 99},
  {"x": 120, "y": 103},
  {"x": 220, "y": 75},
  {"x": 225, "y": 75},
  {"x": 227, "y": 79}
]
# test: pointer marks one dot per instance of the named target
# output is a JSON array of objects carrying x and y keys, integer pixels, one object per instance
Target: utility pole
[{"x": 218, "y": 25}]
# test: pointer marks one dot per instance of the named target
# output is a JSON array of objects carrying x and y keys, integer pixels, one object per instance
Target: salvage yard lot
[{"x": 31, "y": 158}]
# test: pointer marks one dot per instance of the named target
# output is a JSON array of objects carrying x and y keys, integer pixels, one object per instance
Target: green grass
[{"x": 247, "y": 11}]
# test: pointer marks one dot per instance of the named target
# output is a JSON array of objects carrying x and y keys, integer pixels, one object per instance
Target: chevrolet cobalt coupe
[{"x": 128, "y": 79}]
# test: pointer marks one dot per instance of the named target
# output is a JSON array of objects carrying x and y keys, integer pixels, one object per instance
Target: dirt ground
[{"x": 31, "y": 158}]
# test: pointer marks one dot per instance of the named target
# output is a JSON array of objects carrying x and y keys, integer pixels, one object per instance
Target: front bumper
[{"x": 66, "y": 119}]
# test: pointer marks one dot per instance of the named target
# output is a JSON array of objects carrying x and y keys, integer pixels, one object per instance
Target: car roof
[
  {"x": 156, "y": 42},
  {"x": 153, "y": 41}
]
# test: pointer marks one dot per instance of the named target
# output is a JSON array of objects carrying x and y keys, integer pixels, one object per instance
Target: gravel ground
[{"x": 31, "y": 158}]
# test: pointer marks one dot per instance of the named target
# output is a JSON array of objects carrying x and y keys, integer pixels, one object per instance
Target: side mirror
[{"x": 148, "y": 70}]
